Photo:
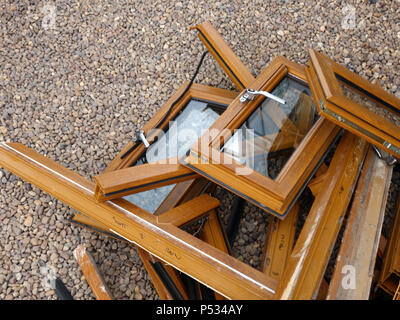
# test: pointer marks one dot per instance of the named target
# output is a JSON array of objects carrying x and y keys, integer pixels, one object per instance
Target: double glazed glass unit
[
  {"x": 270, "y": 135},
  {"x": 263, "y": 148},
  {"x": 267, "y": 151},
  {"x": 195, "y": 118},
  {"x": 146, "y": 176},
  {"x": 354, "y": 103}
]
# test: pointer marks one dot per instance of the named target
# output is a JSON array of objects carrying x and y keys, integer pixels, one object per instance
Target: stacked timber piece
[{"x": 317, "y": 128}]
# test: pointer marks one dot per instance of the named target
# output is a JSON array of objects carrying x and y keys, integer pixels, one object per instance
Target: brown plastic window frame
[
  {"x": 197, "y": 91},
  {"x": 224, "y": 55},
  {"x": 332, "y": 103},
  {"x": 130, "y": 223},
  {"x": 180, "y": 194},
  {"x": 121, "y": 180},
  {"x": 390, "y": 273},
  {"x": 276, "y": 196},
  {"x": 188, "y": 254}
]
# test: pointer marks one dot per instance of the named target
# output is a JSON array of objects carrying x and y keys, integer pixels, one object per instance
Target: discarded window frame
[
  {"x": 147, "y": 259},
  {"x": 291, "y": 135},
  {"x": 278, "y": 243},
  {"x": 223, "y": 54},
  {"x": 92, "y": 273},
  {"x": 291, "y": 131},
  {"x": 172, "y": 245},
  {"x": 180, "y": 191},
  {"x": 306, "y": 266},
  {"x": 157, "y": 168},
  {"x": 390, "y": 273},
  {"x": 354, "y": 103},
  {"x": 166, "y": 279},
  {"x": 360, "y": 241}
]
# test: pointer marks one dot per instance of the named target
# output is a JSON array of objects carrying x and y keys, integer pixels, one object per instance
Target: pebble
[
  {"x": 28, "y": 221},
  {"x": 17, "y": 269}
]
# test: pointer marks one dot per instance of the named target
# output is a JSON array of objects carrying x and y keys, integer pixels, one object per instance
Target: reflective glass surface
[
  {"x": 195, "y": 118},
  {"x": 150, "y": 200},
  {"x": 368, "y": 100},
  {"x": 266, "y": 140}
]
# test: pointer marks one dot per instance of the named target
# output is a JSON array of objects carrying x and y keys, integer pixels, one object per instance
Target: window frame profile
[
  {"x": 276, "y": 196},
  {"x": 322, "y": 73},
  {"x": 121, "y": 179}
]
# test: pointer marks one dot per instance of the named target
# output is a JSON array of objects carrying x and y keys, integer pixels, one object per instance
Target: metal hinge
[
  {"x": 391, "y": 147},
  {"x": 388, "y": 158},
  {"x": 143, "y": 138},
  {"x": 250, "y": 94},
  {"x": 200, "y": 227}
]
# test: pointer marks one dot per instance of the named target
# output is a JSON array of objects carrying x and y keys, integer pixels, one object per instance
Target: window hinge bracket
[{"x": 250, "y": 94}]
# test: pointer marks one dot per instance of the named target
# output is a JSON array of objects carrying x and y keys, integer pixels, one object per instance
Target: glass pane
[
  {"x": 150, "y": 200},
  {"x": 184, "y": 131},
  {"x": 368, "y": 100},
  {"x": 197, "y": 116},
  {"x": 266, "y": 140}
]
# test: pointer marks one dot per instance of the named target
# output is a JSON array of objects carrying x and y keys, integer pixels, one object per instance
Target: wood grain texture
[
  {"x": 390, "y": 273},
  {"x": 187, "y": 212},
  {"x": 183, "y": 190},
  {"x": 92, "y": 274},
  {"x": 306, "y": 266},
  {"x": 196, "y": 91},
  {"x": 147, "y": 258},
  {"x": 272, "y": 195},
  {"x": 213, "y": 234},
  {"x": 360, "y": 241},
  {"x": 316, "y": 184},
  {"x": 234, "y": 279},
  {"x": 93, "y": 225},
  {"x": 123, "y": 182},
  {"x": 224, "y": 55},
  {"x": 279, "y": 243},
  {"x": 347, "y": 113}
]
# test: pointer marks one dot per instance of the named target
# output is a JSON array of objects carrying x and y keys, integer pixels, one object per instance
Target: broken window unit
[
  {"x": 265, "y": 144},
  {"x": 156, "y": 169},
  {"x": 266, "y": 150},
  {"x": 354, "y": 103}
]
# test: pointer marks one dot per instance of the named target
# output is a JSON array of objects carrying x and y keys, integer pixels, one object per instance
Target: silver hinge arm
[
  {"x": 389, "y": 159},
  {"x": 250, "y": 94},
  {"x": 143, "y": 138}
]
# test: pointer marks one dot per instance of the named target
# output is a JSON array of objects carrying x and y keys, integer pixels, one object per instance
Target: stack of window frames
[{"x": 267, "y": 152}]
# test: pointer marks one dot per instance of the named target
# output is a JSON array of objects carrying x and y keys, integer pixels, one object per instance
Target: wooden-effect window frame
[
  {"x": 196, "y": 91},
  {"x": 126, "y": 221},
  {"x": 224, "y": 55},
  {"x": 389, "y": 278},
  {"x": 358, "y": 119},
  {"x": 275, "y": 196},
  {"x": 120, "y": 179},
  {"x": 190, "y": 255}
]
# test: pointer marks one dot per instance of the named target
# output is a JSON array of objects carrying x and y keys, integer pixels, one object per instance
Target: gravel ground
[{"x": 77, "y": 87}]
